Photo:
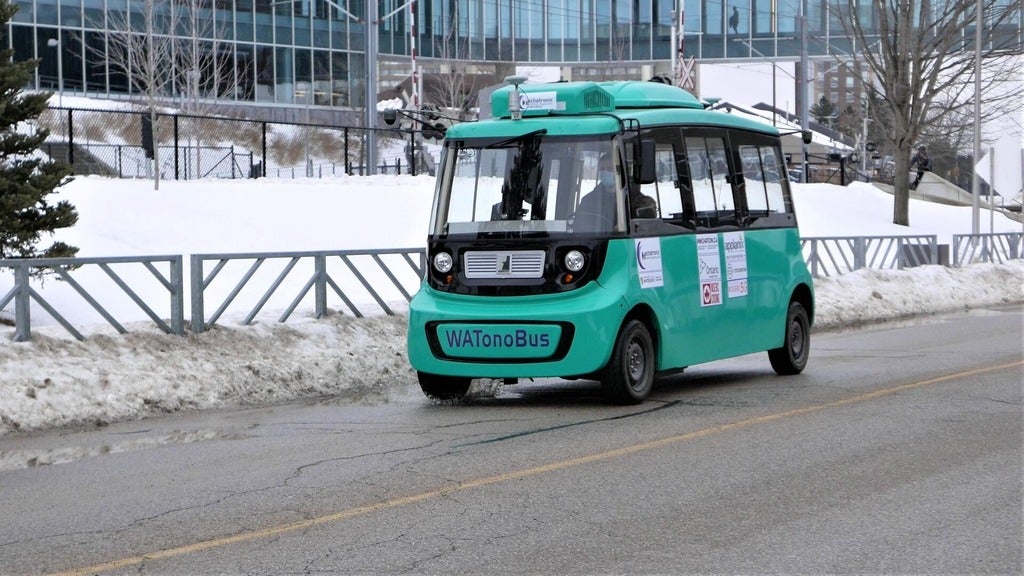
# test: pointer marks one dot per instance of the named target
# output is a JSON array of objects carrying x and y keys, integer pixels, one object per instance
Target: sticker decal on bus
[
  {"x": 710, "y": 269},
  {"x": 735, "y": 263},
  {"x": 648, "y": 262}
]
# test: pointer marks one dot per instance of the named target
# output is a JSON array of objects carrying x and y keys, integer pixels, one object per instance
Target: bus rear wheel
[
  {"x": 443, "y": 387},
  {"x": 629, "y": 376},
  {"x": 792, "y": 357}
]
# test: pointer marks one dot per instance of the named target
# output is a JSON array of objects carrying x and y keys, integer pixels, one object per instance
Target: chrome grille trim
[{"x": 504, "y": 264}]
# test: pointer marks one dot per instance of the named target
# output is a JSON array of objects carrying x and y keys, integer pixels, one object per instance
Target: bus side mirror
[{"x": 647, "y": 167}]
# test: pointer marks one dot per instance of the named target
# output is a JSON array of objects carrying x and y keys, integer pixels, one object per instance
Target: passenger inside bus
[
  {"x": 597, "y": 208},
  {"x": 600, "y": 203}
]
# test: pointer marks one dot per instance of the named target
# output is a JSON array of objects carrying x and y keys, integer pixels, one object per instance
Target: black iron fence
[{"x": 124, "y": 143}]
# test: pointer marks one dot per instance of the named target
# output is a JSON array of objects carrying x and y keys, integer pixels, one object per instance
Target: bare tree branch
[{"x": 922, "y": 58}]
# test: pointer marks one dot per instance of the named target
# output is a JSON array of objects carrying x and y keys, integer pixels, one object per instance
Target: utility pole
[
  {"x": 975, "y": 179},
  {"x": 371, "y": 87},
  {"x": 371, "y": 22},
  {"x": 804, "y": 96}
]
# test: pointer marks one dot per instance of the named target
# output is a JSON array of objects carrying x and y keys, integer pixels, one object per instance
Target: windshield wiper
[{"x": 514, "y": 139}]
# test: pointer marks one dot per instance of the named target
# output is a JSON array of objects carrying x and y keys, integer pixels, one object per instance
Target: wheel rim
[
  {"x": 636, "y": 364},
  {"x": 796, "y": 338}
]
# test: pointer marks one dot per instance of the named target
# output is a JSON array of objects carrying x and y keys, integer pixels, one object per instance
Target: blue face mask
[{"x": 606, "y": 178}]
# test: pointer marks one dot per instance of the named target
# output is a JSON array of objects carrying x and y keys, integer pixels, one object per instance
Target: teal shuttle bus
[{"x": 613, "y": 231}]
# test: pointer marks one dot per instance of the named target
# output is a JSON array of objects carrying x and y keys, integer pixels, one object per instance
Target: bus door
[
  {"x": 717, "y": 261},
  {"x": 770, "y": 237},
  {"x": 674, "y": 300}
]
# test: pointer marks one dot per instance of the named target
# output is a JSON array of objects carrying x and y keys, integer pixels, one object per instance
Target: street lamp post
[{"x": 55, "y": 43}]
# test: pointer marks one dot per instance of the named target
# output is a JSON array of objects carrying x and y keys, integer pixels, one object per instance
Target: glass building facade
[{"x": 315, "y": 51}]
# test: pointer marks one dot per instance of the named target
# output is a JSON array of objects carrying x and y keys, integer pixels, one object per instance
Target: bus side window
[
  {"x": 709, "y": 176},
  {"x": 774, "y": 177},
  {"x": 754, "y": 177},
  {"x": 687, "y": 212},
  {"x": 662, "y": 190}
]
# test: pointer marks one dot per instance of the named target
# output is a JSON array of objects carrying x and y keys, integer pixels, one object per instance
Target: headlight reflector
[
  {"x": 443, "y": 262},
  {"x": 574, "y": 261}
]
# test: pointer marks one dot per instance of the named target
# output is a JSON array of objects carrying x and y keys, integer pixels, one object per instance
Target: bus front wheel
[
  {"x": 443, "y": 387},
  {"x": 629, "y": 376},
  {"x": 792, "y": 357}
]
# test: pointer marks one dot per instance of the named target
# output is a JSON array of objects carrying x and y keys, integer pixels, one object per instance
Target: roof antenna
[{"x": 513, "y": 98}]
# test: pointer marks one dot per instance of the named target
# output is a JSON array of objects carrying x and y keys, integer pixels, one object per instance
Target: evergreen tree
[
  {"x": 825, "y": 112},
  {"x": 27, "y": 177}
]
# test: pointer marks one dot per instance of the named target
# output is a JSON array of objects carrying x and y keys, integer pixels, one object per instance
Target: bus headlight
[
  {"x": 443, "y": 262},
  {"x": 574, "y": 261}
]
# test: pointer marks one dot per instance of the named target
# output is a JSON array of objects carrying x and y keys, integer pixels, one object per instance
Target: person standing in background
[{"x": 923, "y": 162}]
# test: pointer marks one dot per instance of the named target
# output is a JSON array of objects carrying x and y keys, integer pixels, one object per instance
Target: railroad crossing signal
[{"x": 687, "y": 70}]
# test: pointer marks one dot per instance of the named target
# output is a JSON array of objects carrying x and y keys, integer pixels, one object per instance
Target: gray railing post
[
  {"x": 196, "y": 284},
  {"x": 860, "y": 252},
  {"x": 177, "y": 297},
  {"x": 22, "y": 310},
  {"x": 1015, "y": 242},
  {"x": 320, "y": 287},
  {"x": 813, "y": 256}
]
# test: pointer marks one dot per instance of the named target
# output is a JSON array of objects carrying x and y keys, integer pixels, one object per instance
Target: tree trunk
[{"x": 901, "y": 189}]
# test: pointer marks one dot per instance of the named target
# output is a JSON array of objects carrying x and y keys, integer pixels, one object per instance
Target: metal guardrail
[
  {"x": 366, "y": 278},
  {"x": 996, "y": 248},
  {"x": 318, "y": 279},
  {"x": 830, "y": 256},
  {"x": 22, "y": 292}
]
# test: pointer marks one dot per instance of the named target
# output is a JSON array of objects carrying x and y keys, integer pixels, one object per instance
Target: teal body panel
[
  {"x": 594, "y": 311},
  {"x": 691, "y": 332},
  {"x": 687, "y": 331}
]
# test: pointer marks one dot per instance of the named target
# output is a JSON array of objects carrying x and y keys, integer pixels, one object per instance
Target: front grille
[{"x": 504, "y": 264}]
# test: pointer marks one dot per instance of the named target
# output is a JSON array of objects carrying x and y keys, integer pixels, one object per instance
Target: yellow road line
[{"x": 516, "y": 474}]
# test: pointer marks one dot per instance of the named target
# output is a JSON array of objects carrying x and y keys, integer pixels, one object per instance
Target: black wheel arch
[
  {"x": 645, "y": 314},
  {"x": 802, "y": 294}
]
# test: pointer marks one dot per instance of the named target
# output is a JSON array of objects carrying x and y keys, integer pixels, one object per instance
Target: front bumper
[{"x": 551, "y": 335}]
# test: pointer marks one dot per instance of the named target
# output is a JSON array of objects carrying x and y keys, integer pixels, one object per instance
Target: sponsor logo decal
[
  {"x": 735, "y": 263},
  {"x": 648, "y": 262},
  {"x": 709, "y": 269}
]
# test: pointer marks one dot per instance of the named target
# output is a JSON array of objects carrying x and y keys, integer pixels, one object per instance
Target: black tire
[
  {"x": 792, "y": 357},
  {"x": 443, "y": 387},
  {"x": 629, "y": 375}
]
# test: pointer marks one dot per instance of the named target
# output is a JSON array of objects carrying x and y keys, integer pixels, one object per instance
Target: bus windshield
[{"x": 530, "y": 184}]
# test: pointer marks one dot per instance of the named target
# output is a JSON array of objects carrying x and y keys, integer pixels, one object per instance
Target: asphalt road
[{"x": 899, "y": 450}]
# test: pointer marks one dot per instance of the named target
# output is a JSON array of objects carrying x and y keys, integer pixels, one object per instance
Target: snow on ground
[{"x": 54, "y": 380}]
